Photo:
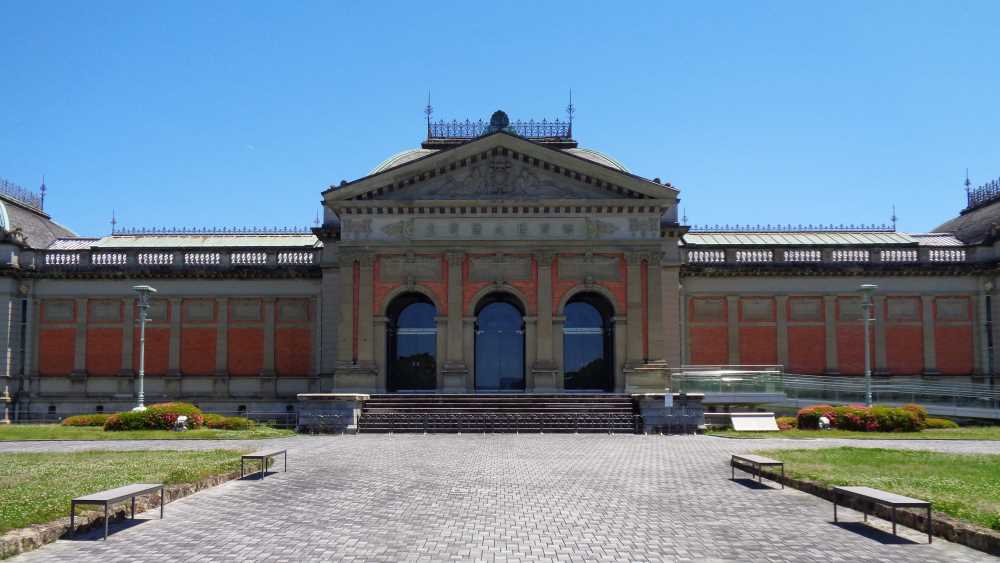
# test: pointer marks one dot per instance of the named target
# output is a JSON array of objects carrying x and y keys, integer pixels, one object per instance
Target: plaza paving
[{"x": 506, "y": 498}]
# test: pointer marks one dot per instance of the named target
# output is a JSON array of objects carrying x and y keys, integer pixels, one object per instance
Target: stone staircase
[{"x": 444, "y": 413}]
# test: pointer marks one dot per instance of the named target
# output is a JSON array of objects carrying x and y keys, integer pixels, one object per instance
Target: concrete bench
[
  {"x": 262, "y": 456},
  {"x": 891, "y": 500},
  {"x": 753, "y": 464},
  {"x": 113, "y": 496}
]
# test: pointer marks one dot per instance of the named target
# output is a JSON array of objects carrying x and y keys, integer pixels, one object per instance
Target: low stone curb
[
  {"x": 943, "y": 526},
  {"x": 21, "y": 540}
]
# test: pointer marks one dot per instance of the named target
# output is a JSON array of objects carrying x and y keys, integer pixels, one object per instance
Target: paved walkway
[{"x": 504, "y": 497}]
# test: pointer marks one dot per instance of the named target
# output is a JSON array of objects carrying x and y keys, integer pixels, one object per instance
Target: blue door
[{"x": 499, "y": 347}]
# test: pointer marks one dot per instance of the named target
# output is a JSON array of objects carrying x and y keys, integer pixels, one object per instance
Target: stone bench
[
  {"x": 113, "y": 496},
  {"x": 753, "y": 464},
  {"x": 892, "y": 500}
]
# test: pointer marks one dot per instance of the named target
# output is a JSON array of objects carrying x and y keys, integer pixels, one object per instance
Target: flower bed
[{"x": 161, "y": 416}]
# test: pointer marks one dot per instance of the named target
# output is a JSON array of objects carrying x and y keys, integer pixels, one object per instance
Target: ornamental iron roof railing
[
  {"x": 166, "y": 231},
  {"x": 987, "y": 193},
  {"x": 21, "y": 194},
  {"x": 544, "y": 129},
  {"x": 792, "y": 228}
]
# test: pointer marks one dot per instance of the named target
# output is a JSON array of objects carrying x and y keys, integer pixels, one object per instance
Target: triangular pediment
[{"x": 500, "y": 167}]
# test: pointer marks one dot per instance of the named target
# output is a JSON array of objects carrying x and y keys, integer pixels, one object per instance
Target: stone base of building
[
  {"x": 687, "y": 412},
  {"x": 330, "y": 412},
  {"x": 355, "y": 378},
  {"x": 650, "y": 377}
]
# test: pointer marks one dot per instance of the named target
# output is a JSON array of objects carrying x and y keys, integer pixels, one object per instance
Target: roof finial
[
  {"x": 316, "y": 220},
  {"x": 42, "y": 191},
  {"x": 428, "y": 111},
  {"x": 684, "y": 217},
  {"x": 114, "y": 221},
  {"x": 968, "y": 183},
  {"x": 893, "y": 217},
  {"x": 570, "y": 110}
]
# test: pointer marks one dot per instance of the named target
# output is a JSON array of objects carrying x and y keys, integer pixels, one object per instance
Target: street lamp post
[
  {"x": 144, "y": 292},
  {"x": 868, "y": 289}
]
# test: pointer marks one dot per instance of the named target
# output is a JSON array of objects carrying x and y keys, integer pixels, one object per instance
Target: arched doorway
[
  {"x": 411, "y": 339},
  {"x": 588, "y": 342},
  {"x": 499, "y": 344}
]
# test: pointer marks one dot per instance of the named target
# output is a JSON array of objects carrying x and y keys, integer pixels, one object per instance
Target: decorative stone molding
[
  {"x": 409, "y": 268},
  {"x": 499, "y": 268},
  {"x": 589, "y": 266}
]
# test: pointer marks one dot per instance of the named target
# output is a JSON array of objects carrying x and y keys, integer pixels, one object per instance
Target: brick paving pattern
[{"x": 503, "y": 498}]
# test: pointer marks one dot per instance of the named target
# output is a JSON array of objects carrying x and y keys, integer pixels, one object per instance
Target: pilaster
[
  {"x": 830, "y": 317},
  {"x": 781, "y": 302},
  {"x": 222, "y": 337},
  {"x": 733, "y": 328},
  {"x": 174, "y": 359},
  {"x": 366, "y": 355},
  {"x": 269, "y": 323},
  {"x": 544, "y": 372},
  {"x": 881, "y": 366},
  {"x": 455, "y": 370},
  {"x": 930, "y": 353},
  {"x": 654, "y": 303},
  {"x": 80, "y": 349},
  {"x": 634, "y": 311},
  {"x": 128, "y": 336},
  {"x": 674, "y": 324}
]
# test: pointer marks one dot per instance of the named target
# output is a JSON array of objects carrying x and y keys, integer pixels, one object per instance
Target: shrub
[
  {"x": 940, "y": 423},
  {"x": 859, "y": 418},
  {"x": 228, "y": 422},
  {"x": 160, "y": 416},
  {"x": 787, "y": 422},
  {"x": 86, "y": 420}
]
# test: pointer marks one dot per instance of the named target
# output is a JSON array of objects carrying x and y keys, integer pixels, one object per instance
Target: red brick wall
[
  {"x": 758, "y": 345},
  {"x": 904, "y": 349},
  {"x": 104, "y": 351},
  {"x": 708, "y": 332},
  {"x": 953, "y": 335},
  {"x": 157, "y": 349},
  {"x": 245, "y": 351},
  {"x": 198, "y": 350},
  {"x": 56, "y": 351},
  {"x": 293, "y": 351},
  {"x": 806, "y": 349},
  {"x": 850, "y": 354}
]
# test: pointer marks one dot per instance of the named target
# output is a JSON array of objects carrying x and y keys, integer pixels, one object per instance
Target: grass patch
[
  {"x": 966, "y": 433},
  {"x": 14, "y": 432},
  {"x": 965, "y": 486},
  {"x": 37, "y": 487}
]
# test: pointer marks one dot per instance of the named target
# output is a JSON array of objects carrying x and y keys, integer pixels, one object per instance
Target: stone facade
[{"x": 252, "y": 319}]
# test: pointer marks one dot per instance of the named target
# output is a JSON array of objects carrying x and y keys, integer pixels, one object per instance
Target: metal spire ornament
[
  {"x": 429, "y": 111},
  {"x": 570, "y": 110}
]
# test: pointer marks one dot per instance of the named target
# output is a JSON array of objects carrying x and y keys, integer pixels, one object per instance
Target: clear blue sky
[{"x": 240, "y": 113}]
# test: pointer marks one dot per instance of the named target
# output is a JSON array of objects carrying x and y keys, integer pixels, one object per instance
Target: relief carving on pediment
[{"x": 499, "y": 177}]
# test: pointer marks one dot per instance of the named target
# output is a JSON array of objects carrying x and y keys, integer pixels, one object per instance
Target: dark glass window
[
  {"x": 412, "y": 342},
  {"x": 499, "y": 345},
  {"x": 587, "y": 344}
]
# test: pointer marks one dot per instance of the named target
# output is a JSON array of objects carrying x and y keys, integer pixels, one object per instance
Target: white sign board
[
  {"x": 668, "y": 399},
  {"x": 754, "y": 422}
]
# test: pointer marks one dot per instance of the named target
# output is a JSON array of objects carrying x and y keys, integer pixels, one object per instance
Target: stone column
[
  {"x": 366, "y": 353},
  {"x": 994, "y": 318},
  {"x": 558, "y": 323},
  {"x": 469, "y": 349},
  {"x": 879, "y": 326},
  {"x": 174, "y": 361},
  {"x": 781, "y": 302},
  {"x": 544, "y": 372},
  {"x": 634, "y": 311},
  {"x": 830, "y": 317},
  {"x": 80, "y": 356},
  {"x": 381, "y": 366},
  {"x": 328, "y": 316},
  {"x": 674, "y": 323},
  {"x": 622, "y": 332},
  {"x": 315, "y": 309},
  {"x": 269, "y": 330},
  {"x": 930, "y": 353},
  {"x": 654, "y": 304},
  {"x": 128, "y": 336},
  {"x": 733, "y": 328},
  {"x": 345, "y": 332},
  {"x": 455, "y": 371}
]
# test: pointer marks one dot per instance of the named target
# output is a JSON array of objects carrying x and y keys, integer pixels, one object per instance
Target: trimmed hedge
[
  {"x": 161, "y": 416},
  {"x": 86, "y": 420},
  {"x": 939, "y": 423},
  {"x": 858, "y": 418},
  {"x": 228, "y": 422},
  {"x": 787, "y": 423}
]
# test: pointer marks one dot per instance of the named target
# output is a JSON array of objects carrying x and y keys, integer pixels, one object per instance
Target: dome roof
[
  {"x": 401, "y": 158},
  {"x": 974, "y": 226},
  {"x": 598, "y": 157}
]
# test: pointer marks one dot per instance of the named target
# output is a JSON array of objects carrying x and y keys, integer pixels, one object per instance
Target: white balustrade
[
  {"x": 899, "y": 255},
  {"x": 947, "y": 255},
  {"x": 803, "y": 255},
  {"x": 202, "y": 258},
  {"x": 851, "y": 255},
  {"x": 706, "y": 256},
  {"x": 295, "y": 257},
  {"x": 62, "y": 258},
  {"x": 248, "y": 258},
  {"x": 109, "y": 258},
  {"x": 156, "y": 258},
  {"x": 754, "y": 256}
]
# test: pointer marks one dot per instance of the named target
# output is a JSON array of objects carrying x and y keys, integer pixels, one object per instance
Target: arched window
[
  {"x": 499, "y": 343},
  {"x": 588, "y": 342},
  {"x": 411, "y": 339}
]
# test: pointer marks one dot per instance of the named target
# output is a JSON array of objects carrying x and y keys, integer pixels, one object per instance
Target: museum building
[{"x": 498, "y": 256}]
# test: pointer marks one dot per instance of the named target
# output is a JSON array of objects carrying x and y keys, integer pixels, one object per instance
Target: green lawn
[
  {"x": 966, "y": 433},
  {"x": 37, "y": 487},
  {"x": 15, "y": 432},
  {"x": 962, "y": 485}
]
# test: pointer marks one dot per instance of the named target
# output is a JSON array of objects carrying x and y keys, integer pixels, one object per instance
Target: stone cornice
[
  {"x": 831, "y": 270},
  {"x": 102, "y": 274}
]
